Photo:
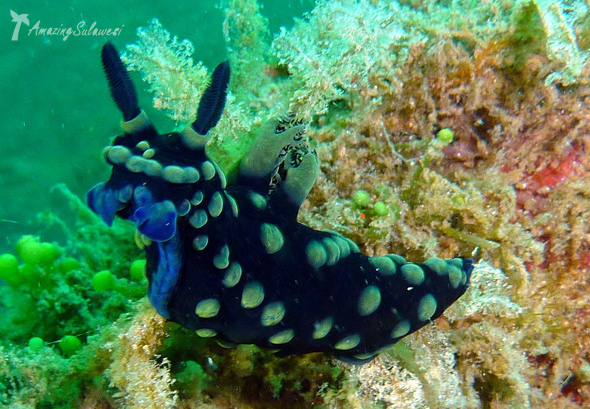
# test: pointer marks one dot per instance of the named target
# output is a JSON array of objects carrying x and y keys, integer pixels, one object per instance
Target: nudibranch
[{"x": 230, "y": 261}]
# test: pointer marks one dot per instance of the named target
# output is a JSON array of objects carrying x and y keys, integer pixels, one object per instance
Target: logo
[
  {"x": 18, "y": 19},
  {"x": 80, "y": 30}
]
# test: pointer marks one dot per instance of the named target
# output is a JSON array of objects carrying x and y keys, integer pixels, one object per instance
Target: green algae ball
[
  {"x": 35, "y": 343},
  {"x": 33, "y": 252},
  {"x": 103, "y": 281},
  {"x": 445, "y": 135},
  {"x": 361, "y": 198},
  {"x": 29, "y": 274},
  {"x": 49, "y": 253},
  {"x": 8, "y": 266},
  {"x": 70, "y": 344},
  {"x": 68, "y": 264},
  {"x": 380, "y": 209},
  {"x": 20, "y": 278},
  {"x": 137, "y": 270},
  {"x": 30, "y": 250}
]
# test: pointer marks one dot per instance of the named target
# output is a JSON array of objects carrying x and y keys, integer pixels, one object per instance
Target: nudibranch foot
[{"x": 231, "y": 262}]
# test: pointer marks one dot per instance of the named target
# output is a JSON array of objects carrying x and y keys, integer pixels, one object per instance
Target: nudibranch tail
[{"x": 231, "y": 262}]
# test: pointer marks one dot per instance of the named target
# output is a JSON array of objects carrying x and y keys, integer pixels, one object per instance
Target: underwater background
[{"x": 443, "y": 128}]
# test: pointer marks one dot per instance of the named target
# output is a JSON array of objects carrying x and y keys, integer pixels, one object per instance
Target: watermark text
[{"x": 82, "y": 29}]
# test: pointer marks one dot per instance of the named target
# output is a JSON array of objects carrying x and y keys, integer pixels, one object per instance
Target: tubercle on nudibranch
[{"x": 232, "y": 262}]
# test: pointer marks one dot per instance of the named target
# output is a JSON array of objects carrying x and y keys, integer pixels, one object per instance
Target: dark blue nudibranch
[{"x": 232, "y": 262}]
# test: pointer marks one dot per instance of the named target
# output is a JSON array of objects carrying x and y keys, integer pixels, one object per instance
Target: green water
[{"x": 55, "y": 108}]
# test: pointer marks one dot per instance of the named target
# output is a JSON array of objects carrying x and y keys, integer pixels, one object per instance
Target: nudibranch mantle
[{"x": 231, "y": 261}]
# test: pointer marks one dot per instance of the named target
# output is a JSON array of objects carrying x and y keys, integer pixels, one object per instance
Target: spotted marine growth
[{"x": 230, "y": 261}]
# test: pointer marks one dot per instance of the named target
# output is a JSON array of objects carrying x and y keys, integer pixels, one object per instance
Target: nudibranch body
[{"x": 232, "y": 262}]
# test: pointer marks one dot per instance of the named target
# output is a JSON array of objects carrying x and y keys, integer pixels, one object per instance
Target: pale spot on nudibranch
[
  {"x": 456, "y": 262},
  {"x": 208, "y": 170},
  {"x": 134, "y": 164},
  {"x": 232, "y": 204},
  {"x": 207, "y": 308},
  {"x": 365, "y": 356},
  {"x": 413, "y": 274},
  {"x": 282, "y": 337},
  {"x": 369, "y": 300},
  {"x": 173, "y": 174},
  {"x": 257, "y": 200},
  {"x": 397, "y": 258},
  {"x": 191, "y": 175},
  {"x": 348, "y": 342},
  {"x": 343, "y": 246},
  {"x": 354, "y": 248},
  {"x": 437, "y": 265},
  {"x": 118, "y": 154},
  {"x": 152, "y": 168},
  {"x": 316, "y": 254},
  {"x": 401, "y": 329},
  {"x": 222, "y": 178},
  {"x": 148, "y": 153},
  {"x": 221, "y": 260},
  {"x": 271, "y": 237},
  {"x": 322, "y": 328},
  {"x": 200, "y": 242},
  {"x": 197, "y": 198},
  {"x": 225, "y": 344},
  {"x": 143, "y": 145},
  {"x": 455, "y": 276},
  {"x": 206, "y": 332},
  {"x": 333, "y": 251},
  {"x": 272, "y": 314},
  {"x": 183, "y": 208},
  {"x": 252, "y": 295},
  {"x": 384, "y": 265},
  {"x": 198, "y": 219},
  {"x": 427, "y": 307},
  {"x": 215, "y": 205},
  {"x": 232, "y": 275}
]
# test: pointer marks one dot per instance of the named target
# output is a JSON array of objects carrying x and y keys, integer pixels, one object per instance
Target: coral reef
[
  {"x": 378, "y": 80},
  {"x": 142, "y": 382}
]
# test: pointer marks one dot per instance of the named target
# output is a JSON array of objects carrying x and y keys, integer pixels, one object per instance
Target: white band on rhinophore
[
  {"x": 137, "y": 123},
  {"x": 192, "y": 139}
]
